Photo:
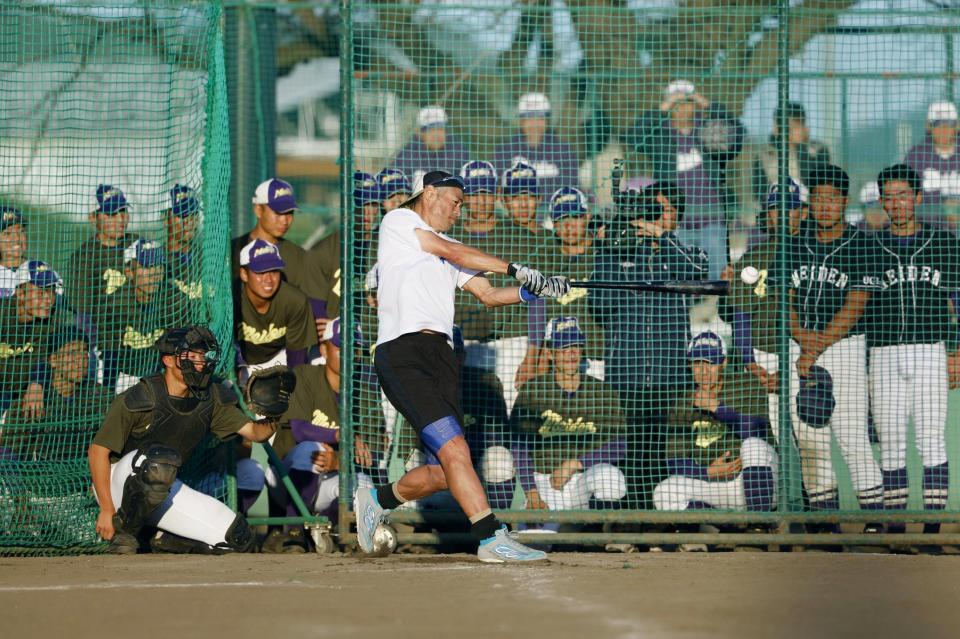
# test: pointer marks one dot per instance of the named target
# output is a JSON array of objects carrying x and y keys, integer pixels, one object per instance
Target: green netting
[
  {"x": 131, "y": 96},
  {"x": 686, "y": 94}
]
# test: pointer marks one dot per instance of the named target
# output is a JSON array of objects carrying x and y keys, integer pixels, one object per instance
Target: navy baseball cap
[
  {"x": 478, "y": 177},
  {"x": 183, "y": 201},
  {"x": 564, "y": 332},
  {"x": 146, "y": 253},
  {"x": 567, "y": 201},
  {"x": 110, "y": 200},
  {"x": 365, "y": 189},
  {"x": 706, "y": 347},
  {"x": 436, "y": 179},
  {"x": 261, "y": 256},
  {"x": 815, "y": 400},
  {"x": 38, "y": 273},
  {"x": 276, "y": 194},
  {"x": 10, "y": 216},
  {"x": 333, "y": 333},
  {"x": 68, "y": 334},
  {"x": 519, "y": 179},
  {"x": 392, "y": 181},
  {"x": 794, "y": 198}
]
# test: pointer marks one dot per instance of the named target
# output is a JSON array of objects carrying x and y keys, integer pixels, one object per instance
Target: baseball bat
[{"x": 679, "y": 287}]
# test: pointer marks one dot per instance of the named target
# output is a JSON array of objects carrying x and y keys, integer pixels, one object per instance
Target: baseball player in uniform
[
  {"x": 571, "y": 433},
  {"x": 149, "y": 432},
  {"x": 394, "y": 187},
  {"x": 182, "y": 221},
  {"x": 720, "y": 452},
  {"x": 13, "y": 248},
  {"x": 420, "y": 268},
  {"x": 912, "y": 274},
  {"x": 826, "y": 306}
]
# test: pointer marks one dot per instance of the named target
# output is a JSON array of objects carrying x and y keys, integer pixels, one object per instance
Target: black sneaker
[{"x": 123, "y": 544}]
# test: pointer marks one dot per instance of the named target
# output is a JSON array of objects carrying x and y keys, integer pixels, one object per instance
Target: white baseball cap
[
  {"x": 432, "y": 117},
  {"x": 681, "y": 87},
  {"x": 870, "y": 193},
  {"x": 533, "y": 105},
  {"x": 944, "y": 111}
]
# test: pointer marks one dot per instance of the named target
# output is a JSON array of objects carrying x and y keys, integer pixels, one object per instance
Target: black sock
[
  {"x": 485, "y": 528},
  {"x": 387, "y": 498}
]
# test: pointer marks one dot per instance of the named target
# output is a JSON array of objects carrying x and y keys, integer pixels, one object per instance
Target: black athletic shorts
[{"x": 420, "y": 375}]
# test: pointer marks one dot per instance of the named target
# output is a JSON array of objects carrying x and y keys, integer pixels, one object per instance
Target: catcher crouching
[{"x": 148, "y": 434}]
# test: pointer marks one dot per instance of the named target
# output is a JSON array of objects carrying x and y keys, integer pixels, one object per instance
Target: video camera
[{"x": 630, "y": 205}]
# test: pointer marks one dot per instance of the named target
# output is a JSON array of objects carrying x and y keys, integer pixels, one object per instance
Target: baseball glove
[{"x": 268, "y": 391}]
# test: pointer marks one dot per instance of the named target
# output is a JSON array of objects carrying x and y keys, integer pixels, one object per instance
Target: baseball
[{"x": 749, "y": 275}]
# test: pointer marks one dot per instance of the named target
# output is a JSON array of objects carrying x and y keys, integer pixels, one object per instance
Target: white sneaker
[
  {"x": 503, "y": 548},
  {"x": 369, "y": 515}
]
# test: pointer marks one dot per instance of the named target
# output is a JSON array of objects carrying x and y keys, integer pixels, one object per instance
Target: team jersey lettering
[
  {"x": 336, "y": 287},
  {"x": 267, "y": 335},
  {"x": 8, "y": 350},
  {"x": 948, "y": 182},
  {"x": 555, "y": 424},
  {"x": 136, "y": 340},
  {"x": 193, "y": 290},
  {"x": 572, "y": 296},
  {"x": 819, "y": 274},
  {"x": 114, "y": 280},
  {"x": 708, "y": 432},
  {"x": 321, "y": 419}
]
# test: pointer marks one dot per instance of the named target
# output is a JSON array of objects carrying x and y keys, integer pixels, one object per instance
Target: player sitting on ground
[
  {"x": 274, "y": 323},
  {"x": 719, "y": 455},
  {"x": 420, "y": 269},
  {"x": 570, "y": 431},
  {"x": 149, "y": 434}
]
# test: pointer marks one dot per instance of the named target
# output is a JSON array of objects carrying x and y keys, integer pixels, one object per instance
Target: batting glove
[
  {"x": 556, "y": 286},
  {"x": 529, "y": 278}
]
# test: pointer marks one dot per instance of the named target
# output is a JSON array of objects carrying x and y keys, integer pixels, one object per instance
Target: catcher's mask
[{"x": 197, "y": 339}]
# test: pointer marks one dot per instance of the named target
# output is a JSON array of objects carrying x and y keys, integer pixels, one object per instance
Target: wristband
[
  {"x": 512, "y": 269},
  {"x": 527, "y": 296}
]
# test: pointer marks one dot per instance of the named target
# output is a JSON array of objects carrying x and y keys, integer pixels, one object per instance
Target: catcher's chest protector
[{"x": 169, "y": 426}]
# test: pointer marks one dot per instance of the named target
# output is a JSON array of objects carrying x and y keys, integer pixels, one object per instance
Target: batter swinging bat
[{"x": 680, "y": 287}]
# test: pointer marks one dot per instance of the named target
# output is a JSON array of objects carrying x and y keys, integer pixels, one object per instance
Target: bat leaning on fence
[{"x": 679, "y": 287}]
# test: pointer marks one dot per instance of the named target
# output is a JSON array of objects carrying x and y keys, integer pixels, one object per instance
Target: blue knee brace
[{"x": 438, "y": 433}]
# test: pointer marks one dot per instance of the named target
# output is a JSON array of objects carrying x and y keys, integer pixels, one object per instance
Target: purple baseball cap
[
  {"x": 519, "y": 179},
  {"x": 333, "y": 333},
  {"x": 261, "y": 256},
  {"x": 38, "y": 273},
  {"x": 706, "y": 347},
  {"x": 146, "y": 253},
  {"x": 276, "y": 194},
  {"x": 110, "y": 200},
  {"x": 478, "y": 177},
  {"x": 794, "y": 196},
  {"x": 564, "y": 332},
  {"x": 183, "y": 201},
  {"x": 567, "y": 201}
]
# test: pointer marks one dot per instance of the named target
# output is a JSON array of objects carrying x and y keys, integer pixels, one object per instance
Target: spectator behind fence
[
  {"x": 432, "y": 147},
  {"x": 826, "y": 302},
  {"x": 71, "y": 401},
  {"x": 646, "y": 333},
  {"x": 26, "y": 321},
  {"x": 183, "y": 258},
  {"x": 274, "y": 323},
  {"x": 804, "y": 154},
  {"x": 13, "y": 248},
  {"x": 937, "y": 162},
  {"x": 912, "y": 273},
  {"x": 274, "y": 205},
  {"x": 95, "y": 270},
  {"x": 535, "y": 144},
  {"x": 395, "y": 188},
  {"x": 572, "y": 253},
  {"x": 142, "y": 311},
  {"x": 690, "y": 141},
  {"x": 719, "y": 449},
  {"x": 308, "y": 442},
  {"x": 570, "y": 431}
]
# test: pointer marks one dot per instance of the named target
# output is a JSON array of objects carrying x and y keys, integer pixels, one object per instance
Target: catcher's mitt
[{"x": 268, "y": 391}]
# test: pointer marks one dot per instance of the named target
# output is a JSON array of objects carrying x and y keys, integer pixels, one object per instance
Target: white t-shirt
[{"x": 416, "y": 289}]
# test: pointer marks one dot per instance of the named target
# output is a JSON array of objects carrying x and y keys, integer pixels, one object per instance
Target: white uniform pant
[
  {"x": 846, "y": 363},
  {"x": 509, "y": 355},
  {"x": 185, "y": 512},
  {"x": 910, "y": 381},
  {"x": 301, "y": 458},
  {"x": 677, "y": 491},
  {"x": 604, "y": 482}
]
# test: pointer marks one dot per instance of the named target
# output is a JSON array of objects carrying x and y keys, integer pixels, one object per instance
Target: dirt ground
[{"x": 595, "y": 596}]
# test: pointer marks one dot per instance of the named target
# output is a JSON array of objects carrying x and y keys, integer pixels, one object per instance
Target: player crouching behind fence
[
  {"x": 149, "y": 432},
  {"x": 719, "y": 451},
  {"x": 570, "y": 430}
]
